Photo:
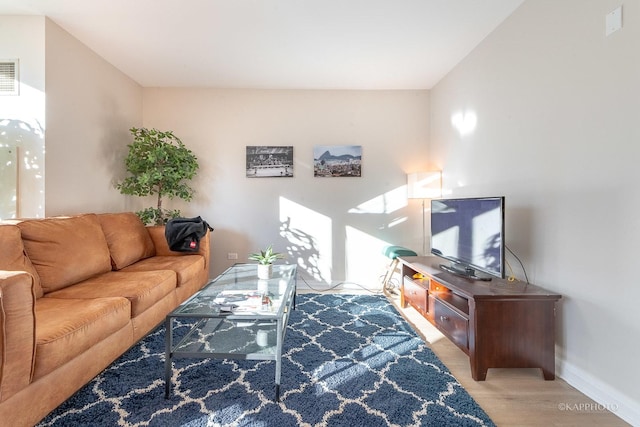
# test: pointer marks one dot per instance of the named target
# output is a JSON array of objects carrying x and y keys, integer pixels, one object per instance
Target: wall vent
[{"x": 9, "y": 81}]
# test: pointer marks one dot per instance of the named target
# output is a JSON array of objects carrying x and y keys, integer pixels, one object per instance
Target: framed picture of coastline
[
  {"x": 267, "y": 161},
  {"x": 337, "y": 161}
]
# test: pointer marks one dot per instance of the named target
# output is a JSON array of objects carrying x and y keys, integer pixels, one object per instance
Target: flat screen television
[{"x": 469, "y": 232}]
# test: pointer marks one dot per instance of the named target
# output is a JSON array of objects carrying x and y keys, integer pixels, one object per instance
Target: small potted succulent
[{"x": 265, "y": 259}]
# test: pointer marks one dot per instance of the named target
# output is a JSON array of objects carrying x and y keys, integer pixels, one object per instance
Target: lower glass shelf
[{"x": 221, "y": 337}]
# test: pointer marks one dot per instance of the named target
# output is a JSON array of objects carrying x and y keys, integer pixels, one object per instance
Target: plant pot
[
  {"x": 263, "y": 286},
  {"x": 264, "y": 271}
]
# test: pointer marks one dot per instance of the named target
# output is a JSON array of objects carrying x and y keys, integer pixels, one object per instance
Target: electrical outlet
[{"x": 232, "y": 255}]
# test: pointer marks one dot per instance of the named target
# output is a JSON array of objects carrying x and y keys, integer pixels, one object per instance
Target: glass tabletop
[{"x": 238, "y": 293}]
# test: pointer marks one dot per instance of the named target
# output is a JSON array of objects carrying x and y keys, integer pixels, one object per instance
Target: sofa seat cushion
[
  {"x": 143, "y": 289},
  {"x": 13, "y": 256},
  {"x": 66, "y": 328},
  {"x": 127, "y": 237},
  {"x": 67, "y": 250},
  {"x": 186, "y": 267}
]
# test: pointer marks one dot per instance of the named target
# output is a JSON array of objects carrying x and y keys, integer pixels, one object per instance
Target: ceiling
[{"x": 283, "y": 44}]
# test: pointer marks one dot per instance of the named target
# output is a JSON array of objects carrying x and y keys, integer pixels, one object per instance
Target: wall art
[
  {"x": 337, "y": 160},
  {"x": 268, "y": 161}
]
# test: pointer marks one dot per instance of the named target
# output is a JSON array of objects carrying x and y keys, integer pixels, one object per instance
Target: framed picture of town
[
  {"x": 266, "y": 161},
  {"x": 337, "y": 160}
]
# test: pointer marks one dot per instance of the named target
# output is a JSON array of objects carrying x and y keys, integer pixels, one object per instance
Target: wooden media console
[{"x": 497, "y": 323}]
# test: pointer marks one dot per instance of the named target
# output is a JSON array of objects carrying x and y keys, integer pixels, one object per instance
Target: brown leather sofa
[{"x": 75, "y": 293}]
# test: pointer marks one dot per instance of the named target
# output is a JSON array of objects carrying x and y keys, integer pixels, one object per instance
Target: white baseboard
[{"x": 607, "y": 397}]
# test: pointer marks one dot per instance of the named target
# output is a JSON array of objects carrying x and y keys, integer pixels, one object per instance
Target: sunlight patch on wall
[
  {"x": 365, "y": 263},
  {"x": 22, "y": 187},
  {"x": 8, "y": 182},
  {"x": 309, "y": 237},
  {"x": 464, "y": 122},
  {"x": 386, "y": 203},
  {"x": 22, "y": 128},
  {"x": 397, "y": 221}
]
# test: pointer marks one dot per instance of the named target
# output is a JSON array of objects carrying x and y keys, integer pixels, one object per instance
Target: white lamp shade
[{"x": 424, "y": 185}]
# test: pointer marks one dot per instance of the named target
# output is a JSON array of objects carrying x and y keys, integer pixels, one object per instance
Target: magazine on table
[{"x": 242, "y": 301}]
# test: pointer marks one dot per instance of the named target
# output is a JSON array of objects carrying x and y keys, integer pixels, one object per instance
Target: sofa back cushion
[
  {"x": 127, "y": 237},
  {"x": 13, "y": 257},
  {"x": 67, "y": 250}
]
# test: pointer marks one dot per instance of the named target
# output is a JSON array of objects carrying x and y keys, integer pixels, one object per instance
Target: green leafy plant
[
  {"x": 158, "y": 164},
  {"x": 268, "y": 256}
]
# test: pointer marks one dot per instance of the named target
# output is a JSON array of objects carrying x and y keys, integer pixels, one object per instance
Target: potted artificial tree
[
  {"x": 265, "y": 260},
  {"x": 158, "y": 164}
]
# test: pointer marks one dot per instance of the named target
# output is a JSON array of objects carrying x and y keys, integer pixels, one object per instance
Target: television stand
[
  {"x": 498, "y": 324},
  {"x": 469, "y": 273}
]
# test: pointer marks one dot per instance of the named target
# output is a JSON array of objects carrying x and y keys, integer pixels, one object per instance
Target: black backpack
[{"x": 184, "y": 234}]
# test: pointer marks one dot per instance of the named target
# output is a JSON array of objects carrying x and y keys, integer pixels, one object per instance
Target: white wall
[
  {"x": 22, "y": 117},
  {"x": 557, "y": 106},
  {"x": 334, "y": 228},
  {"x": 90, "y": 107}
]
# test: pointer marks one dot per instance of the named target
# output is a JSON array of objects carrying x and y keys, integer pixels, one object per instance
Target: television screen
[{"x": 469, "y": 233}]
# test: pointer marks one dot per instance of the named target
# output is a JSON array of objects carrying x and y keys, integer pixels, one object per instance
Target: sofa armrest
[
  {"x": 17, "y": 331},
  {"x": 162, "y": 247}
]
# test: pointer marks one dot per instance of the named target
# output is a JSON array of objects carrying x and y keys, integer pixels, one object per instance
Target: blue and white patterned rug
[{"x": 350, "y": 360}]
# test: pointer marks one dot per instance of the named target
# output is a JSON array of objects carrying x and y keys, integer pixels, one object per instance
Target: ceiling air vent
[{"x": 9, "y": 82}]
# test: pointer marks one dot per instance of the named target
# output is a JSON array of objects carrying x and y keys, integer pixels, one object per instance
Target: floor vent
[{"x": 9, "y": 82}]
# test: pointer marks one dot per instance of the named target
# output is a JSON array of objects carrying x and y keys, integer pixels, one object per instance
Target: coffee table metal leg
[
  {"x": 167, "y": 357},
  {"x": 279, "y": 340}
]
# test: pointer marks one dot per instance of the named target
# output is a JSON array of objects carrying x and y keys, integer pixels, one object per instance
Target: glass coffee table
[{"x": 237, "y": 316}]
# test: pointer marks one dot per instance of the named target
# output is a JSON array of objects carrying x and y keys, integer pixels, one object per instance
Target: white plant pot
[
  {"x": 264, "y": 271},
  {"x": 263, "y": 286},
  {"x": 262, "y": 338}
]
